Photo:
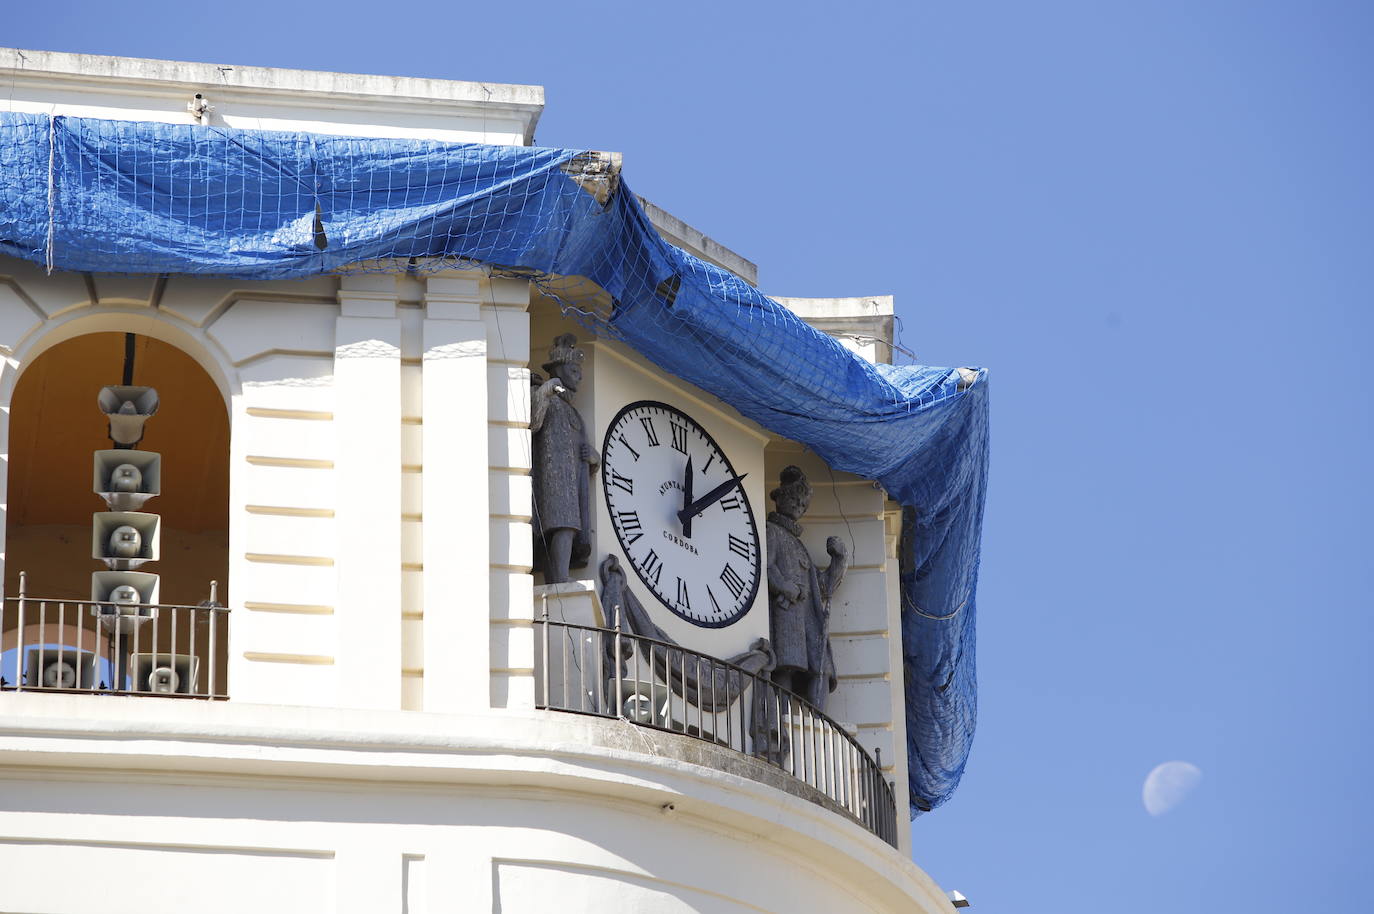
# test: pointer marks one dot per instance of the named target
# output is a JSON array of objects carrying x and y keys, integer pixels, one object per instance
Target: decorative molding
[
  {"x": 303, "y": 659},
  {"x": 270, "y": 559},
  {"x": 262, "y": 412},
  {"x": 367, "y": 349},
  {"x": 298, "y": 609},
  {"x": 465, "y": 349},
  {"x": 299, "y": 463},
  {"x": 299, "y": 353},
  {"x": 279, "y": 511}
]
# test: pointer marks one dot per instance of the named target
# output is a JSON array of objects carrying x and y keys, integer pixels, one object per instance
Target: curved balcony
[{"x": 651, "y": 683}]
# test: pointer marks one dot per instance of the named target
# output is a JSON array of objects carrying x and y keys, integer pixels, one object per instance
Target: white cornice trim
[{"x": 281, "y": 86}]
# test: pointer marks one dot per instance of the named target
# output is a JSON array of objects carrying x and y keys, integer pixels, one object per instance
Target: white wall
[{"x": 220, "y": 807}]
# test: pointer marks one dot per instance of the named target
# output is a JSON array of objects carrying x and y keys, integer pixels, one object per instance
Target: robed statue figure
[
  {"x": 799, "y": 595},
  {"x": 563, "y": 463}
]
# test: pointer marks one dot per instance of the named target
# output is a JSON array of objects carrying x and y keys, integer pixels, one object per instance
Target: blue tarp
[{"x": 136, "y": 197}]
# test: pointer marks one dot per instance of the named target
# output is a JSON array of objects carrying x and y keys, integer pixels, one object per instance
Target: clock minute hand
[
  {"x": 687, "y": 498},
  {"x": 709, "y": 499}
]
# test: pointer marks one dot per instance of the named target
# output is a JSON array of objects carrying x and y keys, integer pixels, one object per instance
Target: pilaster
[
  {"x": 455, "y": 497},
  {"x": 505, "y": 312},
  {"x": 367, "y": 422}
]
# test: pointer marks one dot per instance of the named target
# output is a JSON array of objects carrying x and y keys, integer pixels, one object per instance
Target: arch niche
[{"x": 55, "y": 426}]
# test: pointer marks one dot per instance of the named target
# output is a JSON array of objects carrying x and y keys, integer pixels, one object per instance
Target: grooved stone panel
[
  {"x": 287, "y": 486},
  {"x": 509, "y": 447},
  {"x": 284, "y": 633},
  {"x": 167, "y": 879},
  {"x": 508, "y": 392},
  {"x": 277, "y": 535},
  {"x": 310, "y": 585},
  {"x": 296, "y": 326},
  {"x": 16, "y": 317},
  {"x": 311, "y": 439},
  {"x": 864, "y": 655},
  {"x": 860, "y": 603}
]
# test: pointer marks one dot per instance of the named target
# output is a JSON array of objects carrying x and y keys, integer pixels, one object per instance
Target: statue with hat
[
  {"x": 799, "y": 594},
  {"x": 564, "y": 461}
]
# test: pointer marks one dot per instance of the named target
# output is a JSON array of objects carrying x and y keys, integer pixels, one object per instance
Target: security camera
[{"x": 200, "y": 108}]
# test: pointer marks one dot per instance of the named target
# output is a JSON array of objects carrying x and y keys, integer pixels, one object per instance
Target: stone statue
[
  {"x": 564, "y": 462},
  {"x": 712, "y": 690},
  {"x": 799, "y": 595}
]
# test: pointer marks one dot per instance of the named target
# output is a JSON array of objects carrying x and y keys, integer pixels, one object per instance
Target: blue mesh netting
[{"x": 137, "y": 197}]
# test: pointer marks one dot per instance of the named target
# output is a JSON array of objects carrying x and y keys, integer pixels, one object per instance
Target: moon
[{"x": 1167, "y": 785}]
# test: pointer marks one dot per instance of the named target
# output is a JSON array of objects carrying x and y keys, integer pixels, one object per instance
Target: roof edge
[
  {"x": 680, "y": 234},
  {"x": 526, "y": 101}
]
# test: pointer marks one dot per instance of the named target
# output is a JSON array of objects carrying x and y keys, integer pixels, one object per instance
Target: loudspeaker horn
[
  {"x": 165, "y": 673},
  {"x": 123, "y": 540},
  {"x": 126, "y": 479},
  {"x": 127, "y": 408},
  {"x": 59, "y": 667},
  {"x": 110, "y": 604}
]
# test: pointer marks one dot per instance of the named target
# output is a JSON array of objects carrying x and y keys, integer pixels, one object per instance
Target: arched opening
[{"x": 55, "y": 427}]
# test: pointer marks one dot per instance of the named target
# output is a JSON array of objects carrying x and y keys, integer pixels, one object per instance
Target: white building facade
[{"x": 348, "y": 457}]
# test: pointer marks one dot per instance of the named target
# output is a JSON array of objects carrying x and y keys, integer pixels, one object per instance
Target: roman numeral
[
  {"x": 708, "y": 463},
  {"x": 620, "y": 482},
  {"x": 679, "y": 437},
  {"x": 622, "y": 440},
  {"x": 739, "y": 547},
  {"x": 649, "y": 430},
  {"x": 652, "y": 566},
  {"x": 682, "y": 599},
  {"x": 732, "y": 580},
  {"x": 730, "y": 502},
  {"x": 714, "y": 602},
  {"x": 629, "y": 523}
]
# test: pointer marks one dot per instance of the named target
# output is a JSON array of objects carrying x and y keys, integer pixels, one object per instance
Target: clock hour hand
[
  {"x": 709, "y": 499},
  {"x": 687, "y": 499}
]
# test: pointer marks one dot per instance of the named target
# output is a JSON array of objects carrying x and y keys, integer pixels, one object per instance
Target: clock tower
[
  {"x": 697, "y": 564},
  {"x": 415, "y": 718}
]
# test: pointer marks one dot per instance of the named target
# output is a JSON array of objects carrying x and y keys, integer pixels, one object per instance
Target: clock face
[{"x": 679, "y": 512}]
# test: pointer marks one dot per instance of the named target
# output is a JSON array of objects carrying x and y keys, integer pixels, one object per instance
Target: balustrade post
[{"x": 19, "y": 653}]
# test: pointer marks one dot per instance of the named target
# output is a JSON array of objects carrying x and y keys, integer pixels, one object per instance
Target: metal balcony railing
[
  {"x": 652, "y": 683},
  {"x": 166, "y": 650}
]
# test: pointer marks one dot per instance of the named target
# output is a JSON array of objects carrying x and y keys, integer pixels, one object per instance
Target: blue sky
[{"x": 1153, "y": 222}]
